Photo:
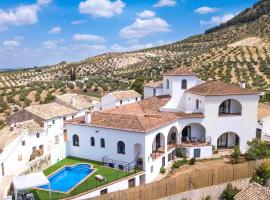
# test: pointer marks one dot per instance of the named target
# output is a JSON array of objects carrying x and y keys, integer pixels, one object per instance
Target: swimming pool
[{"x": 68, "y": 177}]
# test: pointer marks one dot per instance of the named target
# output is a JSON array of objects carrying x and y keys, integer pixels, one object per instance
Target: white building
[
  {"x": 263, "y": 125},
  {"x": 36, "y": 130},
  {"x": 117, "y": 98},
  {"x": 184, "y": 112}
]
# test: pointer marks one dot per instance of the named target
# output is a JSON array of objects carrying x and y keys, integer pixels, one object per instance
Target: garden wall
[{"x": 182, "y": 183}]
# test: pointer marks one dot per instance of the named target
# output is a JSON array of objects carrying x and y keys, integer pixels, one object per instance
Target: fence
[{"x": 182, "y": 183}]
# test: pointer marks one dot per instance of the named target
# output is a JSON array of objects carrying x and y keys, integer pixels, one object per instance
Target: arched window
[
  {"x": 121, "y": 147},
  {"x": 230, "y": 107},
  {"x": 102, "y": 143},
  {"x": 92, "y": 140},
  {"x": 184, "y": 84},
  {"x": 167, "y": 84},
  {"x": 76, "y": 140}
]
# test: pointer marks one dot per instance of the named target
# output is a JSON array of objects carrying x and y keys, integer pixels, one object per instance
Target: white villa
[{"x": 181, "y": 111}]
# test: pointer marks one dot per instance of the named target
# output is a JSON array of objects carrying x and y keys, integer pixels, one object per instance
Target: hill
[{"x": 234, "y": 51}]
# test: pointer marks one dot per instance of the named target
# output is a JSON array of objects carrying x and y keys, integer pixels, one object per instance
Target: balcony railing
[
  {"x": 195, "y": 141},
  {"x": 157, "y": 153}
]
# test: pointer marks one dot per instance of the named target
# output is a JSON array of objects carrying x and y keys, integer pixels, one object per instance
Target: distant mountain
[
  {"x": 234, "y": 51},
  {"x": 6, "y": 69}
]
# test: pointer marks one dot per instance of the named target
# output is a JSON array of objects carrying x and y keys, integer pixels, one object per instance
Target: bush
[
  {"x": 49, "y": 98},
  {"x": 258, "y": 149},
  {"x": 262, "y": 174},
  {"x": 179, "y": 152},
  {"x": 229, "y": 192},
  {"x": 179, "y": 163},
  {"x": 162, "y": 170},
  {"x": 192, "y": 161},
  {"x": 236, "y": 154},
  {"x": 208, "y": 197}
]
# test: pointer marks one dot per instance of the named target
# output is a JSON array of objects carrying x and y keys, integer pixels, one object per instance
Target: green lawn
[{"x": 89, "y": 183}]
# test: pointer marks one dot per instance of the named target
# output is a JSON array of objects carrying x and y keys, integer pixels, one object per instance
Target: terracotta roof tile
[
  {"x": 255, "y": 192},
  {"x": 180, "y": 72},
  {"x": 214, "y": 88},
  {"x": 263, "y": 111},
  {"x": 142, "y": 116},
  {"x": 125, "y": 94},
  {"x": 157, "y": 84}
]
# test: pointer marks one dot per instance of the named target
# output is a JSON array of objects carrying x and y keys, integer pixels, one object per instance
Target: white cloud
[
  {"x": 88, "y": 37},
  {"x": 216, "y": 20},
  {"x": 144, "y": 27},
  {"x": 44, "y": 2},
  {"x": 206, "y": 10},
  {"x": 21, "y": 15},
  {"x": 55, "y": 30},
  {"x": 101, "y": 8},
  {"x": 146, "y": 14},
  {"x": 163, "y": 3},
  {"x": 11, "y": 43},
  {"x": 76, "y": 22},
  {"x": 50, "y": 44}
]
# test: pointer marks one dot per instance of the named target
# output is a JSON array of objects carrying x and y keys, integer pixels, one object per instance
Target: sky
[{"x": 43, "y": 32}]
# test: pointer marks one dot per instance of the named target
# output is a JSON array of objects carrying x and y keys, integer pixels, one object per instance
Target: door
[
  {"x": 3, "y": 169},
  {"x": 163, "y": 161},
  {"x": 197, "y": 153},
  {"x": 131, "y": 183},
  {"x": 223, "y": 140},
  {"x": 186, "y": 132},
  {"x": 158, "y": 141}
]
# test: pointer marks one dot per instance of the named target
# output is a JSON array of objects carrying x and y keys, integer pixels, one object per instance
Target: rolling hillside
[{"x": 234, "y": 51}]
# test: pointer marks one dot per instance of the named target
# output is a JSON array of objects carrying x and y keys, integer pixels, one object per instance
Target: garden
[{"x": 110, "y": 175}]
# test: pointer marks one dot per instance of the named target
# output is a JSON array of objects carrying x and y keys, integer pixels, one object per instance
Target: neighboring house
[
  {"x": 117, "y": 98},
  {"x": 78, "y": 102},
  {"x": 187, "y": 113},
  {"x": 263, "y": 126},
  {"x": 153, "y": 89},
  {"x": 37, "y": 127},
  {"x": 17, "y": 143},
  {"x": 254, "y": 191}
]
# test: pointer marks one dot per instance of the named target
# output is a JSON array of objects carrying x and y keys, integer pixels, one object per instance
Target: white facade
[
  {"x": 224, "y": 121},
  {"x": 111, "y": 101}
]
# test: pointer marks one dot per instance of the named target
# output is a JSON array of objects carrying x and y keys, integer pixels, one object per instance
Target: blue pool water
[{"x": 68, "y": 177}]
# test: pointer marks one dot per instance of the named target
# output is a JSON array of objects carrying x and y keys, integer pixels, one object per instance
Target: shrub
[
  {"x": 179, "y": 152},
  {"x": 192, "y": 161},
  {"x": 179, "y": 163},
  {"x": 49, "y": 98},
  {"x": 236, "y": 154},
  {"x": 229, "y": 192},
  {"x": 162, "y": 170},
  {"x": 262, "y": 174},
  {"x": 258, "y": 149}
]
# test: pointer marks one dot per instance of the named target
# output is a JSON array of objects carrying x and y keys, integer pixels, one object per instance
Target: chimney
[
  {"x": 87, "y": 117},
  {"x": 243, "y": 84}
]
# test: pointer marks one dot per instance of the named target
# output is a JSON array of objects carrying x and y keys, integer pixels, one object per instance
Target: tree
[
  {"x": 49, "y": 98},
  {"x": 236, "y": 154},
  {"x": 137, "y": 85}
]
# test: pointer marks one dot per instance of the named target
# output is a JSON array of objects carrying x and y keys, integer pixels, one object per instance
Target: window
[
  {"x": 65, "y": 135},
  {"x": 104, "y": 191},
  {"x": 56, "y": 138},
  {"x": 37, "y": 135},
  {"x": 102, "y": 143},
  {"x": 136, "y": 98},
  {"x": 197, "y": 104},
  {"x": 76, "y": 141},
  {"x": 121, "y": 102},
  {"x": 41, "y": 149},
  {"x": 33, "y": 149},
  {"x": 64, "y": 118},
  {"x": 23, "y": 143},
  {"x": 154, "y": 92},
  {"x": 184, "y": 84},
  {"x": 72, "y": 116},
  {"x": 53, "y": 121},
  {"x": 152, "y": 169},
  {"x": 167, "y": 84},
  {"x": 121, "y": 147},
  {"x": 92, "y": 140}
]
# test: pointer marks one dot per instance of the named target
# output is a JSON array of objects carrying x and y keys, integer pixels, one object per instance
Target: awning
[{"x": 29, "y": 181}]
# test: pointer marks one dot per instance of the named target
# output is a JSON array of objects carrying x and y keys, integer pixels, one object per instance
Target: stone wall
[{"x": 38, "y": 164}]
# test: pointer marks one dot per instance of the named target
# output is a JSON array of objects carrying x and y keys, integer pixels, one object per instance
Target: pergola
[{"x": 33, "y": 180}]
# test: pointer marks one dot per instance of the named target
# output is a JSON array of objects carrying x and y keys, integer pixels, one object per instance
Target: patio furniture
[
  {"x": 100, "y": 178},
  {"x": 30, "y": 196}
]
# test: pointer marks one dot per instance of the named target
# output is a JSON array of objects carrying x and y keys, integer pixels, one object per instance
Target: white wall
[{"x": 112, "y": 137}]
